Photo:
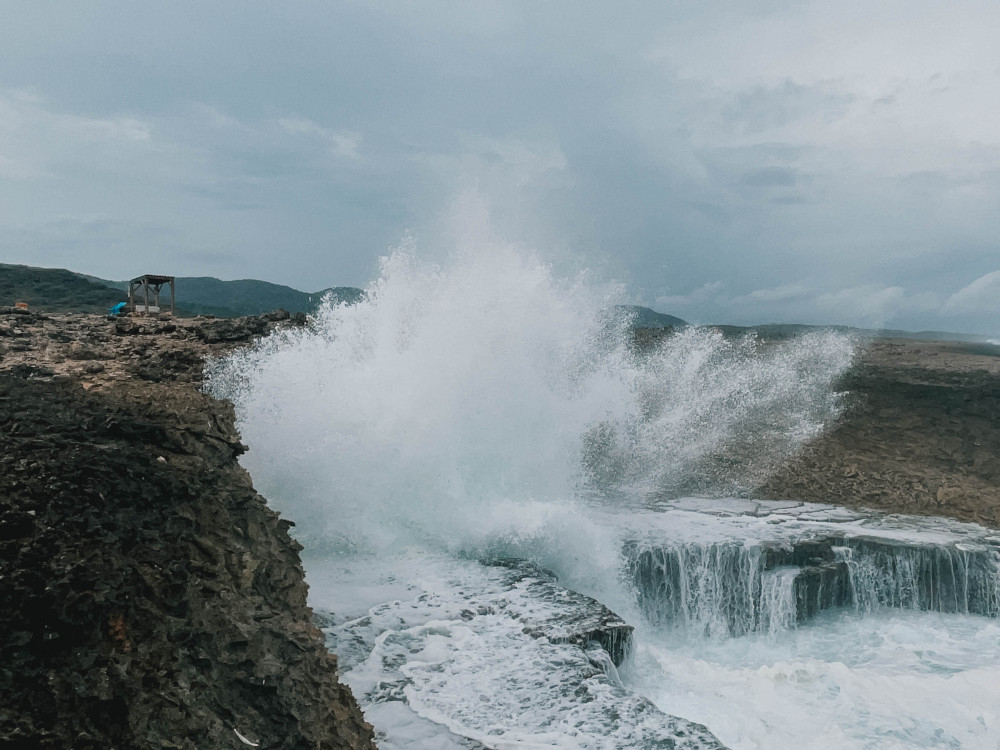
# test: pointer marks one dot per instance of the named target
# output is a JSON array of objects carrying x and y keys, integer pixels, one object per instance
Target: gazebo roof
[{"x": 152, "y": 278}]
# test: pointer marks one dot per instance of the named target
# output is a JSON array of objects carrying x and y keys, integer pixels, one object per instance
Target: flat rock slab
[{"x": 499, "y": 652}]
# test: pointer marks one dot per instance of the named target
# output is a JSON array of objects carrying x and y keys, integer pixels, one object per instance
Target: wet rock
[
  {"x": 822, "y": 587},
  {"x": 729, "y": 587},
  {"x": 573, "y": 618},
  {"x": 232, "y": 329}
]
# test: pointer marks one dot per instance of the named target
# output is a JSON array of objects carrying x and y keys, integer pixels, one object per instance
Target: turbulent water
[{"x": 485, "y": 408}]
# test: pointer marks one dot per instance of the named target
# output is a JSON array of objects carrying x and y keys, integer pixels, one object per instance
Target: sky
[{"x": 729, "y": 161}]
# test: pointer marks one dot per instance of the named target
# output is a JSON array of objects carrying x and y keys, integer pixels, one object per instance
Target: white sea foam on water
[
  {"x": 485, "y": 406},
  {"x": 427, "y": 669},
  {"x": 454, "y": 649},
  {"x": 899, "y": 680}
]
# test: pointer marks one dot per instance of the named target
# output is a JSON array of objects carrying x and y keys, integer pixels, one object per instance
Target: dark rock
[
  {"x": 148, "y": 596},
  {"x": 27, "y": 372},
  {"x": 821, "y": 587},
  {"x": 232, "y": 329}
]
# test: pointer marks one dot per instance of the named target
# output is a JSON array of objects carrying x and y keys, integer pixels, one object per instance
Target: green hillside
[
  {"x": 648, "y": 318},
  {"x": 54, "y": 290},
  {"x": 59, "y": 290},
  {"x": 206, "y": 295}
]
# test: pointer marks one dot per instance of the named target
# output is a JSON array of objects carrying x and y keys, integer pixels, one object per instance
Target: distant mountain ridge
[
  {"x": 206, "y": 295},
  {"x": 54, "y": 289},
  {"x": 60, "y": 290},
  {"x": 645, "y": 317},
  {"x": 781, "y": 331}
]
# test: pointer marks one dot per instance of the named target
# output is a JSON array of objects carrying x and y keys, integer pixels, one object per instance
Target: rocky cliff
[{"x": 148, "y": 595}]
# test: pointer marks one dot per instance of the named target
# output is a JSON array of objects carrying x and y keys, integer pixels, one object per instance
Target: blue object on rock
[{"x": 118, "y": 309}]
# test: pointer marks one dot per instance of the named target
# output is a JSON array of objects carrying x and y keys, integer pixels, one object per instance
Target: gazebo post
[{"x": 156, "y": 282}]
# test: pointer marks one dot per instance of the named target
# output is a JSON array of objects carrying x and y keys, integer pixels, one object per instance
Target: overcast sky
[{"x": 739, "y": 161}]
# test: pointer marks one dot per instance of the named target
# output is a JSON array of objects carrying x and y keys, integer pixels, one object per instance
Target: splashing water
[
  {"x": 454, "y": 404},
  {"x": 487, "y": 407}
]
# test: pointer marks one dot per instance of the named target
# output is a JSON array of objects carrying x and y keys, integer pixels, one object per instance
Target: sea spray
[
  {"x": 485, "y": 407},
  {"x": 714, "y": 415},
  {"x": 470, "y": 404}
]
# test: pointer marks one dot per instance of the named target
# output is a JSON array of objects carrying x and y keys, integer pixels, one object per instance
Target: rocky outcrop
[
  {"x": 919, "y": 435},
  {"x": 148, "y": 595},
  {"x": 573, "y": 617}
]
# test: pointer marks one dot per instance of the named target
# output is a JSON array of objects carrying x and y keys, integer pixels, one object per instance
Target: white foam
[
  {"x": 430, "y": 671},
  {"x": 899, "y": 680},
  {"x": 452, "y": 660}
]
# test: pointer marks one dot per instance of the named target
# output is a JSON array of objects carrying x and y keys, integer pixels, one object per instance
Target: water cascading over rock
[{"x": 734, "y": 588}]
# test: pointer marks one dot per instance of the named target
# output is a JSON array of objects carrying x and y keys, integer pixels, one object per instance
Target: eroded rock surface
[
  {"x": 573, "y": 618},
  {"x": 921, "y": 434},
  {"x": 148, "y": 595}
]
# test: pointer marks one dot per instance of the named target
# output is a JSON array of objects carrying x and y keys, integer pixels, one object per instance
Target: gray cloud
[
  {"x": 744, "y": 160},
  {"x": 981, "y": 296}
]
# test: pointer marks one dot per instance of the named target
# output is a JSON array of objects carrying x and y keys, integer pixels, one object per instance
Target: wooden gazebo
[{"x": 140, "y": 289}]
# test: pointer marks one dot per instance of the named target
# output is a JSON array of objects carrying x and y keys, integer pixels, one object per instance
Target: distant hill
[
  {"x": 59, "y": 290},
  {"x": 203, "y": 295},
  {"x": 972, "y": 338},
  {"x": 780, "y": 331},
  {"x": 647, "y": 318},
  {"x": 54, "y": 289}
]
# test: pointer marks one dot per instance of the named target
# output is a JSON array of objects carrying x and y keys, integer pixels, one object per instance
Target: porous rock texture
[
  {"x": 148, "y": 595},
  {"x": 920, "y": 434}
]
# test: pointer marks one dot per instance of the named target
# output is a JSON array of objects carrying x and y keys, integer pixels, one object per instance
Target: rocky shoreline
[{"x": 150, "y": 597}]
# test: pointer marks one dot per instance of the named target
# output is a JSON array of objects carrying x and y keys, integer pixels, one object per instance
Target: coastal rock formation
[
  {"x": 920, "y": 435},
  {"x": 573, "y": 618},
  {"x": 148, "y": 595}
]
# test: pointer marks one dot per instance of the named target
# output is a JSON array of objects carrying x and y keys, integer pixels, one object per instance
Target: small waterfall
[
  {"x": 778, "y": 610},
  {"x": 936, "y": 578},
  {"x": 731, "y": 588},
  {"x": 715, "y": 588}
]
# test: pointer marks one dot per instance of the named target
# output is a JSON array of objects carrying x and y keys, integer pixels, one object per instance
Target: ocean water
[{"x": 485, "y": 408}]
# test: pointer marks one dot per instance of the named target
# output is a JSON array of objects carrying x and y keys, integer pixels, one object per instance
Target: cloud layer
[{"x": 740, "y": 162}]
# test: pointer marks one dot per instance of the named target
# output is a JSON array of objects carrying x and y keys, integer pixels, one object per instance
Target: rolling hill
[
  {"x": 60, "y": 290},
  {"x": 54, "y": 290}
]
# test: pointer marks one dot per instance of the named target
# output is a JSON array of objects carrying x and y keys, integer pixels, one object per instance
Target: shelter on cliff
[{"x": 139, "y": 290}]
